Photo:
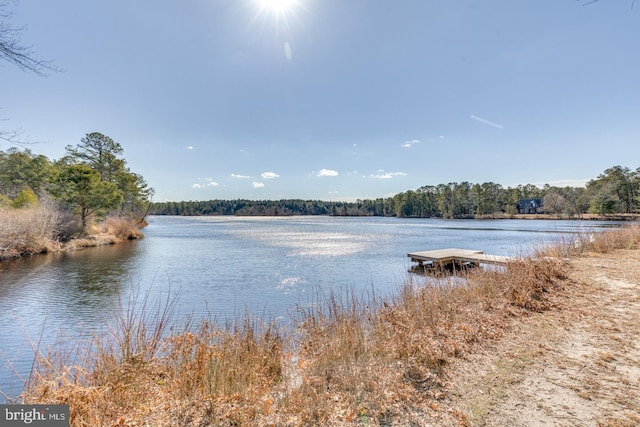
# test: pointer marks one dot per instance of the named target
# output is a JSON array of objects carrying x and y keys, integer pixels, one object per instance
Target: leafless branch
[
  {"x": 16, "y": 137},
  {"x": 13, "y": 51},
  {"x": 13, "y": 136}
]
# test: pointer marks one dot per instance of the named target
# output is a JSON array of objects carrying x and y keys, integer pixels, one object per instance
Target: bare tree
[
  {"x": 13, "y": 135},
  {"x": 13, "y": 51},
  {"x": 554, "y": 203}
]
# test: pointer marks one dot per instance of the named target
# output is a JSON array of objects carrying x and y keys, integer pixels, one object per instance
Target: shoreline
[
  {"x": 111, "y": 231},
  {"x": 421, "y": 356},
  {"x": 546, "y": 217},
  {"x": 583, "y": 217},
  {"x": 124, "y": 229},
  {"x": 575, "y": 364},
  {"x": 89, "y": 241}
]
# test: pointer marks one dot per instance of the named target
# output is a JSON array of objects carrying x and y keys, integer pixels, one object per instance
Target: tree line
[
  {"x": 615, "y": 191},
  {"x": 91, "y": 180}
]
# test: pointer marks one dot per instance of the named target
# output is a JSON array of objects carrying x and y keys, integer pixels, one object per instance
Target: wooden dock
[{"x": 452, "y": 258}]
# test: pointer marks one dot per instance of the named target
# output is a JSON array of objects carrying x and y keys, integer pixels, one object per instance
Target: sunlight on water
[
  {"x": 290, "y": 284},
  {"x": 310, "y": 244}
]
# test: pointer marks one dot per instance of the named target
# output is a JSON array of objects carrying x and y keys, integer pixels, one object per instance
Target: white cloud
[
  {"x": 270, "y": 175},
  {"x": 208, "y": 184},
  {"x": 189, "y": 148},
  {"x": 327, "y": 172},
  {"x": 387, "y": 175},
  {"x": 233, "y": 175},
  {"x": 257, "y": 184},
  {"x": 409, "y": 144}
]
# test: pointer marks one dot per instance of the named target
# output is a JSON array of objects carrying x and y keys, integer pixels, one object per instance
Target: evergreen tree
[
  {"x": 81, "y": 188},
  {"x": 103, "y": 154}
]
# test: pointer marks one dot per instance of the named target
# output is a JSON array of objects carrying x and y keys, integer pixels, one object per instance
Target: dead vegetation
[
  {"x": 45, "y": 227},
  {"x": 578, "y": 244},
  {"x": 31, "y": 230},
  {"x": 122, "y": 227},
  {"x": 573, "y": 365}
]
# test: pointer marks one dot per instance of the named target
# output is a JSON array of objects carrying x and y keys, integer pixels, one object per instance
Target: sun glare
[
  {"x": 277, "y": 5},
  {"x": 280, "y": 15}
]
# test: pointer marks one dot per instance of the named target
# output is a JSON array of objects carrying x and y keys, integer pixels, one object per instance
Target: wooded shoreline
[{"x": 614, "y": 192}]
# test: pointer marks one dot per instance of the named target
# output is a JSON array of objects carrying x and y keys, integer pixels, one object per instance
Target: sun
[
  {"x": 279, "y": 6},
  {"x": 281, "y": 15}
]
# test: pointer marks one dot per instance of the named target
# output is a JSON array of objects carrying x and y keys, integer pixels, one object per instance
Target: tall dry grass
[
  {"x": 33, "y": 230},
  {"x": 46, "y": 227},
  {"x": 122, "y": 227},
  {"x": 147, "y": 367},
  {"x": 576, "y": 244},
  {"x": 344, "y": 360},
  {"x": 113, "y": 229}
]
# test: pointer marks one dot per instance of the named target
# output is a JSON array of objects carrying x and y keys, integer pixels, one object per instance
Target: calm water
[{"x": 225, "y": 266}]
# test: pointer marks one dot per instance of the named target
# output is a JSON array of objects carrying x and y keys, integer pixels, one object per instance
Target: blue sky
[{"x": 334, "y": 99}]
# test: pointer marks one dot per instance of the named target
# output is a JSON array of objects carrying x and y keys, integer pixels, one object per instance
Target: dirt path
[{"x": 575, "y": 365}]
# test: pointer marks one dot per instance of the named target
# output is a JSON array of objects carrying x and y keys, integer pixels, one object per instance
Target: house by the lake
[{"x": 529, "y": 206}]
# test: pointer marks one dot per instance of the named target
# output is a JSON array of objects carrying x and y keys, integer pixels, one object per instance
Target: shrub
[
  {"x": 122, "y": 227},
  {"x": 35, "y": 229},
  {"x": 527, "y": 281},
  {"x": 25, "y": 199},
  {"x": 5, "y": 202},
  {"x": 25, "y": 232}
]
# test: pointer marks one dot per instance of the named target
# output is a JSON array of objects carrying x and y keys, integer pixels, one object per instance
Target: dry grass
[
  {"x": 122, "y": 227},
  {"x": 46, "y": 228},
  {"x": 142, "y": 370},
  {"x": 601, "y": 242},
  {"x": 113, "y": 229},
  {"x": 30, "y": 231},
  {"x": 344, "y": 360}
]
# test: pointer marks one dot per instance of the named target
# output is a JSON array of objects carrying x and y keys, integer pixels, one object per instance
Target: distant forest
[{"x": 615, "y": 191}]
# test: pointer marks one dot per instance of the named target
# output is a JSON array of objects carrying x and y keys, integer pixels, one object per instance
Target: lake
[{"x": 227, "y": 266}]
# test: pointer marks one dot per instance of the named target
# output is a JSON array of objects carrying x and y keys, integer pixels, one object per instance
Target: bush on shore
[
  {"x": 122, "y": 227},
  {"x": 22, "y": 233},
  {"x": 36, "y": 228},
  {"x": 45, "y": 227}
]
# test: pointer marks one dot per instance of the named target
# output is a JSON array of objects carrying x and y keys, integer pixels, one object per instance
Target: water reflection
[
  {"x": 66, "y": 293},
  {"x": 75, "y": 283}
]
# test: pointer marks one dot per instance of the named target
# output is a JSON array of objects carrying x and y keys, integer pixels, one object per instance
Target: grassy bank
[
  {"x": 343, "y": 361},
  {"x": 45, "y": 228},
  {"x": 553, "y": 217}
]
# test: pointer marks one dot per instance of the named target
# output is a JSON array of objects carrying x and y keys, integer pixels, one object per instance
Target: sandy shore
[{"x": 577, "y": 364}]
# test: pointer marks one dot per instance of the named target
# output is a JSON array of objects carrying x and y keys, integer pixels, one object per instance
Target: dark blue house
[{"x": 529, "y": 206}]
